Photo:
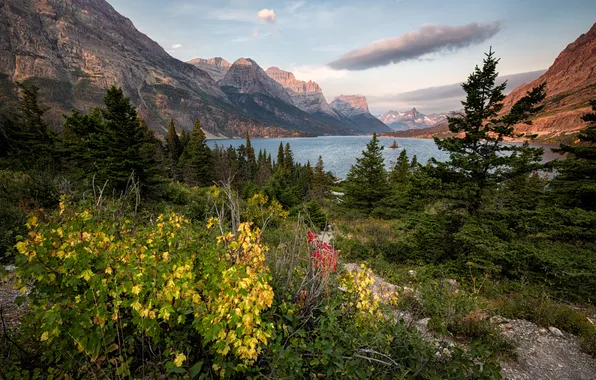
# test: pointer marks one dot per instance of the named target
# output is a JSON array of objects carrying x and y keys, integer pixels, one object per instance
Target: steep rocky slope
[
  {"x": 401, "y": 121},
  {"x": 307, "y": 96},
  {"x": 355, "y": 108},
  {"x": 216, "y": 67},
  {"x": 74, "y": 49},
  {"x": 571, "y": 83},
  {"x": 247, "y": 77}
]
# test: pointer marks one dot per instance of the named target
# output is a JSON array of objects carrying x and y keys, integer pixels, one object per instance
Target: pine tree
[
  {"x": 401, "y": 171},
  {"x": 26, "y": 136},
  {"x": 196, "y": 161},
  {"x": 288, "y": 161},
  {"x": 174, "y": 148},
  {"x": 575, "y": 183},
  {"x": 366, "y": 184},
  {"x": 184, "y": 139},
  {"x": 320, "y": 182},
  {"x": 414, "y": 165},
  {"x": 280, "y": 157},
  {"x": 479, "y": 160},
  {"x": 112, "y": 144},
  {"x": 250, "y": 159}
]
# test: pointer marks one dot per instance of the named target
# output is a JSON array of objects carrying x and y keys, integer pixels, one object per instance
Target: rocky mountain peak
[
  {"x": 216, "y": 67},
  {"x": 350, "y": 105},
  {"x": 245, "y": 61},
  {"x": 248, "y": 77},
  {"x": 289, "y": 81}
]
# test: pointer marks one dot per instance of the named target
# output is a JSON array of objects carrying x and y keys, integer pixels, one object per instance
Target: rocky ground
[
  {"x": 543, "y": 354},
  {"x": 9, "y": 311}
]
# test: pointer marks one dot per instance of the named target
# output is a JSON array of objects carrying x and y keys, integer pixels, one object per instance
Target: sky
[{"x": 382, "y": 49}]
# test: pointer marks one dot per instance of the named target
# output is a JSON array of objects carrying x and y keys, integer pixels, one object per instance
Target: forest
[{"x": 141, "y": 257}]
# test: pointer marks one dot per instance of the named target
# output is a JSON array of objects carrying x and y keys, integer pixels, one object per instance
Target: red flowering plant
[
  {"x": 323, "y": 256},
  {"x": 322, "y": 261}
]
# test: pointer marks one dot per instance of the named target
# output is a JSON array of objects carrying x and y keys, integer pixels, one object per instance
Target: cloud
[
  {"x": 176, "y": 46},
  {"x": 293, "y": 7},
  {"x": 430, "y": 38},
  {"x": 443, "y": 98},
  {"x": 267, "y": 15}
]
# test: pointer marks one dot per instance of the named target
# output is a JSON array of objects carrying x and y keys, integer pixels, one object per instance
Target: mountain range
[
  {"x": 403, "y": 121},
  {"x": 74, "y": 49}
]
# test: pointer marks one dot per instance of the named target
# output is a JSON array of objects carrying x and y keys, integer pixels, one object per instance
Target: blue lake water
[{"x": 340, "y": 152}]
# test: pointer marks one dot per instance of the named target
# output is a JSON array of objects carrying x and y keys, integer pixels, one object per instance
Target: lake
[{"x": 340, "y": 152}]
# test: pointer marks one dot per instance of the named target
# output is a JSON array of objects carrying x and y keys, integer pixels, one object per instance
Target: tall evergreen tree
[
  {"x": 366, "y": 184},
  {"x": 196, "y": 160},
  {"x": 480, "y": 159},
  {"x": 288, "y": 158},
  {"x": 401, "y": 171},
  {"x": 575, "y": 183},
  {"x": 112, "y": 144},
  {"x": 280, "y": 156},
  {"x": 26, "y": 136},
  {"x": 174, "y": 148},
  {"x": 184, "y": 139},
  {"x": 250, "y": 159},
  {"x": 320, "y": 181}
]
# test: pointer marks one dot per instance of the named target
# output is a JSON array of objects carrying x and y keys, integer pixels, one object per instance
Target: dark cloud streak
[{"x": 428, "y": 39}]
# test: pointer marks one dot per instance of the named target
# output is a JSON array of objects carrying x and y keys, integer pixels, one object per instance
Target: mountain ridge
[{"x": 412, "y": 119}]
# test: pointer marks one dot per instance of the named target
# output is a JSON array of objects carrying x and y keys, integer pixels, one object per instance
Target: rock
[
  {"x": 451, "y": 285},
  {"x": 498, "y": 320},
  {"x": 412, "y": 273},
  {"x": 556, "y": 331},
  {"x": 544, "y": 355}
]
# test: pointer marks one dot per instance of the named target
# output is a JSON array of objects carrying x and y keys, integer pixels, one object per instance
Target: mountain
[
  {"x": 355, "y": 108},
  {"x": 247, "y": 77},
  {"x": 74, "y": 49},
  {"x": 260, "y": 97},
  {"x": 570, "y": 84},
  {"x": 307, "y": 96},
  {"x": 401, "y": 121},
  {"x": 216, "y": 67}
]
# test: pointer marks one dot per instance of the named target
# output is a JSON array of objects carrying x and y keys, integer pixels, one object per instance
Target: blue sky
[{"x": 306, "y": 36}]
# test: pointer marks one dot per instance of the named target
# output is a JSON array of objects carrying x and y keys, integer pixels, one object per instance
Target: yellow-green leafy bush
[{"x": 110, "y": 295}]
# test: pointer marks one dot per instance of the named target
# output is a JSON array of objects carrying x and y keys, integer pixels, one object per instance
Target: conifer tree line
[{"x": 111, "y": 147}]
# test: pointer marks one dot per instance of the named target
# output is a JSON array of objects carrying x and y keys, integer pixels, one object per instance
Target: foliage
[
  {"x": 366, "y": 183},
  {"x": 196, "y": 159},
  {"x": 110, "y": 144},
  {"x": 316, "y": 215},
  {"x": 575, "y": 183},
  {"x": 479, "y": 160},
  {"x": 106, "y": 288}
]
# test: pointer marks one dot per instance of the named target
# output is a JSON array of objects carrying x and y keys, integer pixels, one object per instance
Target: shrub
[{"x": 108, "y": 294}]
